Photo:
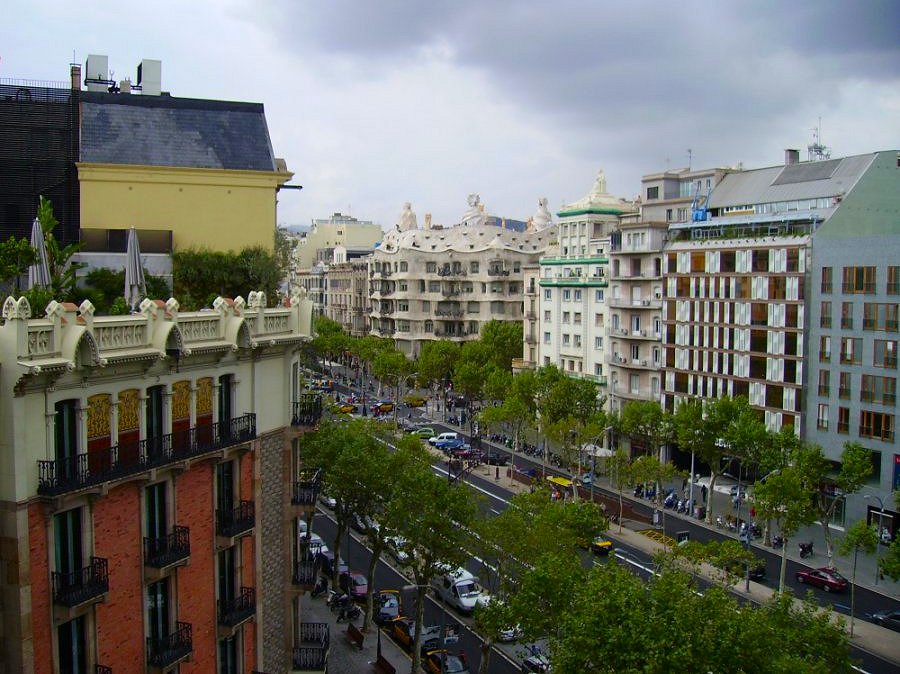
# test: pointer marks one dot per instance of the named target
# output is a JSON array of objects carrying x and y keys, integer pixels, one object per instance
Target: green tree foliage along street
[{"x": 200, "y": 276}]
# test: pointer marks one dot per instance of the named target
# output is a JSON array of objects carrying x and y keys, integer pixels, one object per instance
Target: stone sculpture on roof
[
  {"x": 407, "y": 219},
  {"x": 541, "y": 217},
  {"x": 475, "y": 214}
]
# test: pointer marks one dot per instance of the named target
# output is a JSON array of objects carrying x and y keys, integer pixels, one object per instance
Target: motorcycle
[
  {"x": 777, "y": 542},
  {"x": 349, "y": 613},
  {"x": 806, "y": 549},
  {"x": 320, "y": 588},
  {"x": 670, "y": 501},
  {"x": 336, "y": 599}
]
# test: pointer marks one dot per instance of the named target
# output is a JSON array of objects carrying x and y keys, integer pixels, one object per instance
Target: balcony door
[
  {"x": 66, "y": 439},
  {"x": 71, "y": 645},
  {"x": 227, "y": 577},
  {"x": 68, "y": 543},
  {"x": 157, "y": 512},
  {"x": 158, "y": 610},
  {"x": 225, "y": 487},
  {"x": 154, "y": 421}
]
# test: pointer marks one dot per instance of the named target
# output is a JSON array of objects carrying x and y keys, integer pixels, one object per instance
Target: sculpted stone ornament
[
  {"x": 475, "y": 214},
  {"x": 407, "y": 219},
  {"x": 541, "y": 217}
]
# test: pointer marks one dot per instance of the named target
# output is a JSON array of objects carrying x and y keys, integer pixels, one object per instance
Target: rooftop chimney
[
  {"x": 791, "y": 157},
  {"x": 75, "y": 72}
]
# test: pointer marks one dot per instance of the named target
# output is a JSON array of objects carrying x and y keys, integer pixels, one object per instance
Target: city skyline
[{"x": 373, "y": 105}]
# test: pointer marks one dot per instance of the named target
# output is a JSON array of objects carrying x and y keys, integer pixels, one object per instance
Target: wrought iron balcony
[
  {"x": 167, "y": 550},
  {"x": 306, "y": 489},
  {"x": 82, "y": 585},
  {"x": 305, "y": 573},
  {"x": 237, "y": 521},
  {"x": 312, "y": 653},
  {"x": 170, "y": 649},
  {"x": 102, "y": 669},
  {"x": 234, "y": 611},
  {"x": 307, "y": 411},
  {"x": 123, "y": 461}
]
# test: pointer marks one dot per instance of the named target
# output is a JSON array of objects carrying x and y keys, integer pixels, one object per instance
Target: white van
[
  {"x": 448, "y": 435},
  {"x": 460, "y": 589}
]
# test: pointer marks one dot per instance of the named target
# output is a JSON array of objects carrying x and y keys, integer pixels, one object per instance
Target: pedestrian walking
[{"x": 703, "y": 493}]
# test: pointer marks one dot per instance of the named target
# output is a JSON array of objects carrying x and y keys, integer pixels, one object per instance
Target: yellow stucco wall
[{"x": 204, "y": 208}]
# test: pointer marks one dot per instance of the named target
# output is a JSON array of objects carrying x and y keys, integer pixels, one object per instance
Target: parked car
[
  {"x": 403, "y": 630},
  {"x": 382, "y": 407},
  {"x": 387, "y": 606},
  {"x": 601, "y": 545},
  {"x": 354, "y": 583},
  {"x": 446, "y": 435},
  {"x": 451, "y": 445},
  {"x": 825, "y": 578},
  {"x": 460, "y": 589},
  {"x": 424, "y": 432},
  {"x": 889, "y": 618},
  {"x": 496, "y": 458},
  {"x": 452, "y": 664},
  {"x": 395, "y": 546},
  {"x": 536, "y": 664},
  {"x": 327, "y": 501}
]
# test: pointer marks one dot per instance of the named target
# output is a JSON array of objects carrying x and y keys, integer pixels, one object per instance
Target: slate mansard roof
[{"x": 174, "y": 132}]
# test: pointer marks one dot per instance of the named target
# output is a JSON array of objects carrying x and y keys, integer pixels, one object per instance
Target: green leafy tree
[
  {"x": 16, "y": 255},
  {"x": 330, "y": 341},
  {"x": 503, "y": 342},
  {"x": 784, "y": 498},
  {"x": 63, "y": 270},
  {"x": 200, "y": 275},
  {"x": 859, "y": 536},
  {"x": 826, "y": 491},
  {"x": 647, "y": 422},
  {"x": 432, "y": 517},
  {"x": 531, "y": 527},
  {"x": 889, "y": 564}
]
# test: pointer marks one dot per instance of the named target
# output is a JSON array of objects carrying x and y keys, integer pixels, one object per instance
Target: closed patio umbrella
[
  {"x": 135, "y": 286},
  {"x": 39, "y": 272}
]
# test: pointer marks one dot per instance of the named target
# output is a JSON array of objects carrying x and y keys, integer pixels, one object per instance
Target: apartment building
[
  {"x": 573, "y": 311},
  {"x": 144, "y": 459},
  {"x": 853, "y": 300},
  {"x": 347, "y": 295},
  {"x": 326, "y": 234},
  {"x": 737, "y": 283},
  {"x": 437, "y": 283}
]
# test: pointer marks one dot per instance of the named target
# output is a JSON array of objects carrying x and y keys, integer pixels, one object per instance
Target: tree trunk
[
  {"x": 853, "y": 591},
  {"x": 829, "y": 543},
  {"x": 370, "y": 580},
  {"x": 783, "y": 570},
  {"x": 420, "y": 618},
  {"x": 486, "y": 645},
  {"x": 709, "y": 500}
]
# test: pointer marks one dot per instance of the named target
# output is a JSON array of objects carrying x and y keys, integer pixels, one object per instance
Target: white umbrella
[
  {"x": 39, "y": 272},
  {"x": 135, "y": 287},
  {"x": 594, "y": 450}
]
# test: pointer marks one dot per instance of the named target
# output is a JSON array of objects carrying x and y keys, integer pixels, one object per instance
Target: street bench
[
  {"x": 355, "y": 636},
  {"x": 382, "y": 666}
]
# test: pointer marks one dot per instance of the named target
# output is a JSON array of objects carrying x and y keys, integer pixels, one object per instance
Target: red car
[{"x": 828, "y": 579}]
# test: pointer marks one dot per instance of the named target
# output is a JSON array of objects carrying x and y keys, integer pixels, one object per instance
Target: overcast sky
[{"x": 375, "y": 103}]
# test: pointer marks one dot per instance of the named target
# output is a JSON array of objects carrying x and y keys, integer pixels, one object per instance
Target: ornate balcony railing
[
  {"x": 82, "y": 585},
  {"x": 237, "y": 521},
  {"x": 122, "y": 461},
  {"x": 307, "y": 411},
  {"x": 234, "y": 611},
  {"x": 305, "y": 572},
  {"x": 312, "y": 654},
  {"x": 102, "y": 669},
  {"x": 169, "y": 649},
  {"x": 167, "y": 550},
  {"x": 306, "y": 490}
]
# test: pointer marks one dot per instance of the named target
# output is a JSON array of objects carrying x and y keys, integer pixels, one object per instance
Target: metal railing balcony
[
  {"x": 306, "y": 572},
  {"x": 237, "y": 521},
  {"x": 167, "y": 650},
  {"x": 81, "y": 471},
  {"x": 167, "y": 550},
  {"x": 312, "y": 654},
  {"x": 306, "y": 490},
  {"x": 236, "y": 610},
  {"x": 102, "y": 669},
  {"x": 80, "y": 586},
  {"x": 307, "y": 411}
]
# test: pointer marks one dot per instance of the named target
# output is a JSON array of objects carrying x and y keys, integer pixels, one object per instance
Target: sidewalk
[{"x": 344, "y": 657}]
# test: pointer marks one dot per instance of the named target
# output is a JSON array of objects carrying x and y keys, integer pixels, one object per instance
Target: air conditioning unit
[{"x": 645, "y": 303}]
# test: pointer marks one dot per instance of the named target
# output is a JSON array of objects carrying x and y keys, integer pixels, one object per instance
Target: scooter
[
  {"x": 806, "y": 549},
  {"x": 320, "y": 588},
  {"x": 777, "y": 542}
]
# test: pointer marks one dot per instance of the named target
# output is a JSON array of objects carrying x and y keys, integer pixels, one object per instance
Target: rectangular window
[
  {"x": 877, "y": 389},
  {"x": 851, "y": 350},
  {"x": 825, "y": 315},
  {"x": 846, "y": 315},
  {"x": 885, "y": 353},
  {"x": 880, "y": 317},
  {"x": 826, "y": 280},
  {"x": 567, "y": 295},
  {"x": 576, "y": 341},
  {"x": 877, "y": 425},
  {"x": 824, "y": 381},
  {"x": 824, "y": 349},
  {"x": 547, "y": 294},
  {"x": 598, "y": 296},
  {"x": 858, "y": 280},
  {"x": 547, "y": 316},
  {"x": 653, "y": 193},
  {"x": 546, "y": 338},
  {"x": 844, "y": 385},
  {"x": 565, "y": 340},
  {"x": 565, "y": 317},
  {"x": 576, "y": 318},
  {"x": 431, "y": 267},
  {"x": 598, "y": 342},
  {"x": 843, "y": 424},
  {"x": 72, "y": 645},
  {"x": 893, "y": 280},
  {"x": 473, "y": 267},
  {"x": 822, "y": 417}
]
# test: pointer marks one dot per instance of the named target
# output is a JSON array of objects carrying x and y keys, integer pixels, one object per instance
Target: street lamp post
[{"x": 877, "y": 532}]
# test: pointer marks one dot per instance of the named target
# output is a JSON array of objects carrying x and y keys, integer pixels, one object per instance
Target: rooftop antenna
[
  {"x": 690, "y": 154},
  {"x": 816, "y": 150}
]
